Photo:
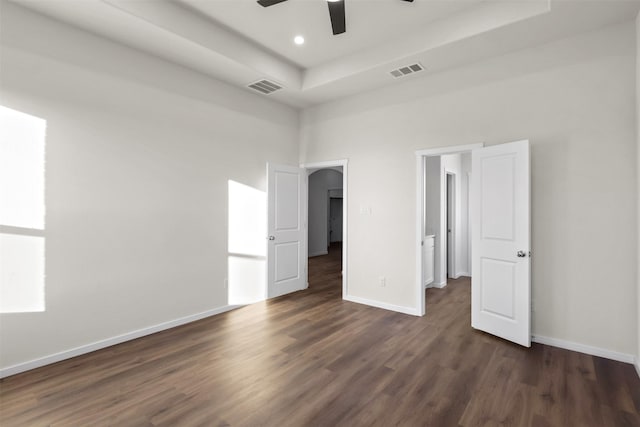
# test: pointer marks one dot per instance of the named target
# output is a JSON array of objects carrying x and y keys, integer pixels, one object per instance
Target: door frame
[
  {"x": 312, "y": 167},
  {"x": 419, "y": 233}
]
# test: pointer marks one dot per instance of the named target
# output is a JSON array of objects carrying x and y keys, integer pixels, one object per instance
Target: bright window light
[
  {"x": 247, "y": 220},
  {"x": 21, "y": 169},
  {"x": 246, "y": 280},
  {"x": 22, "y": 211},
  {"x": 21, "y": 273},
  {"x": 247, "y": 244}
]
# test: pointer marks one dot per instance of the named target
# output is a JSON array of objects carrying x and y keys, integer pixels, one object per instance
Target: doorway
[
  {"x": 444, "y": 240},
  {"x": 327, "y": 221},
  {"x": 499, "y": 198}
]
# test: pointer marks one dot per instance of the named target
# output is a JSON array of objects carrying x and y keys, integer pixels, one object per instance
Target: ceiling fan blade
[
  {"x": 336, "y": 13},
  {"x": 266, "y": 3}
]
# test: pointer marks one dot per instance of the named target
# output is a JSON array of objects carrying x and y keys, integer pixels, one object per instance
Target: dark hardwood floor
[{"x": 311, "y": 359}]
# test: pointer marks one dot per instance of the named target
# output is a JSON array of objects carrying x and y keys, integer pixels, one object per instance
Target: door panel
[
  {"x": 287, "y": 231},
  {"x": 498, "y": 197},
  {"x": 287, "y": 261},
  {"x": 498, "y": 299},
  {"x": 500, "y": 206},
  {"x": 287, "y": 189}
]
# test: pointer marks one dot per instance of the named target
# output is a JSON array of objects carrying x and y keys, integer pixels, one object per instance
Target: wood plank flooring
[{"x": 311, "y": 359}]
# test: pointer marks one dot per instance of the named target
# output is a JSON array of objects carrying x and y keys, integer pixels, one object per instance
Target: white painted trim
[
  {"x": 583, "y": 348},
  {"x": 326, "y": 164},
  {"x": 463, "y": 273},
  {"x": 88, "y": 348},
  {"x": 448, "y": 150},
  {"x": 345, "y": 204},
  {"x": 419, "y": 234},
  {"x": 379, "y": 304},
  {"x": 438, "y": 285},
  {"x": 319, "y": 253}
]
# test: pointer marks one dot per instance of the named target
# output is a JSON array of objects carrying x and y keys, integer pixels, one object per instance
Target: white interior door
[
  {"x": 286, "y": 247},
  {"x": 501, "y": 272}
]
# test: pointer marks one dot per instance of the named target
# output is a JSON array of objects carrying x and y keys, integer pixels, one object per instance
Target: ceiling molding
[
  {"x": 456, "y": 34},
  {"x": 480, "y": 19}
]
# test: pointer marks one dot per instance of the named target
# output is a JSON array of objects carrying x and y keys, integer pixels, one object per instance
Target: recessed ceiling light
[{"x": 298, "y": 40}]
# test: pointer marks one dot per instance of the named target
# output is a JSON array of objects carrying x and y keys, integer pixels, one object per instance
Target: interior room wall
[
  {"x": 320, "y": 182},
  {"x": 139, "y": 156},
  {"x": 451, "y": 163},
  {"x": 433, "y": 178},
  {"x": 574, "y": 99},
  {"x": 465, "y": 228}
]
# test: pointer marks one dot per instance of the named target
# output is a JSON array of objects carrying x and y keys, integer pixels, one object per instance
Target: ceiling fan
[{"x": 336, "y": 13}]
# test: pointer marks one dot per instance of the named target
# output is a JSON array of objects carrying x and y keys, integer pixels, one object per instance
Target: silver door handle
[
  {"x": 522, "y": 254},
  {"x": 271, "y": 237}
]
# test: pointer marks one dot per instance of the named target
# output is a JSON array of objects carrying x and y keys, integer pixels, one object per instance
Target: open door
[
  {"x": 501, "y": 270},
  {"x": 286, "y": 247}
]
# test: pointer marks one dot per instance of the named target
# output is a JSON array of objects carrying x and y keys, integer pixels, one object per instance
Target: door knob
[
  {"x": 522, "y": 254},
  {"x": 272, "y": 237}
]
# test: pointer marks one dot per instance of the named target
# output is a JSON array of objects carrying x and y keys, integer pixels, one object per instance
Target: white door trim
[
  {"x": 329, "y": 164},
  {"x": 420, "y": 170}
]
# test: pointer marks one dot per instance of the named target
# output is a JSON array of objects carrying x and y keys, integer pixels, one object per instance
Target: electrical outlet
[{"x": 383, "y": 281}]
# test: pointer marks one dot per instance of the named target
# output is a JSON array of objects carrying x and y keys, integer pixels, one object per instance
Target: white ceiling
[
  {"x": 240, "y": 42},
  {"x": 369, "y": 23}
]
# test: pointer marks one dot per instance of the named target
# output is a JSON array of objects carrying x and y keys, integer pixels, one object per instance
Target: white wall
[
  {"x": 433, "y": 177},
  {"x": 452, "y": 163},
  {"x": 139, "y": 154},
  {"x": 574, "y": 100},
  {"x": 320, "y": 182},
  {"x": 465, "y": 226}
]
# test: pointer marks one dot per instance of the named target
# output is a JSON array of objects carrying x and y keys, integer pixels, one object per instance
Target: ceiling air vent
[
  {"x": 265, "y": 86},
  {"x": 406, "y": 70}
]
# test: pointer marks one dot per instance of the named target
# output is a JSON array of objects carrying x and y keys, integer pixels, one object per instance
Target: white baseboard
[
  {"x": 88, "y": 348},
  {"x": 400, "y": 309},
  {"x": 464, "y": 273},
  {"x": 586, "y": 349},
  {"x": 318, "y": 253},
  {"x": 438, "y": 285}
]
